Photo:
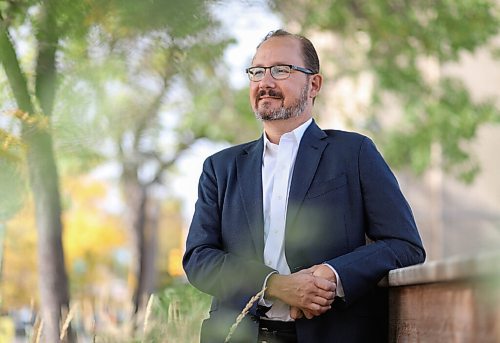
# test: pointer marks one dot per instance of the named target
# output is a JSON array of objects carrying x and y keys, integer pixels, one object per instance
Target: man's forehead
[
  {"x": 282, "y": 49},
  {"x": 281, "y": 39}
]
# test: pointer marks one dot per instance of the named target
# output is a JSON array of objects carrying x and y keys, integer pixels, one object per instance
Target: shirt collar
[{"x": 297, "y": 133}]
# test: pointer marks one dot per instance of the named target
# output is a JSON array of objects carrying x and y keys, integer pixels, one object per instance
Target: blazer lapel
[
  {"x": 249, "y": 174},
  {"x": 306, "y": 163}
]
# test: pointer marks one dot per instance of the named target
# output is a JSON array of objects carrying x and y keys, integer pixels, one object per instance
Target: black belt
[
  {"x": 276, "y": 325},
  {"x": 277, "y": 331}
]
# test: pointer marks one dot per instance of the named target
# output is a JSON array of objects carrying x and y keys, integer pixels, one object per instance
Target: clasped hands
[{"x": 309, "y": 292}]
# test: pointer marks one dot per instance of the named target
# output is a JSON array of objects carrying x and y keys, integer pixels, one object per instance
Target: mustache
[{"x": 270, "y": 92}]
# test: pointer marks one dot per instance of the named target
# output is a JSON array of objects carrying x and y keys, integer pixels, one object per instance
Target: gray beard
[{"x": 294, "y": 110}]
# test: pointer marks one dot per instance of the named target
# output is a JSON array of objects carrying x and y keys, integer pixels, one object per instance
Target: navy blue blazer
[{"x": 342, "y": 192}]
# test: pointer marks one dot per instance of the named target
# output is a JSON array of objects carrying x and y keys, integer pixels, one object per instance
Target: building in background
[{"x": 453, "y": 218}]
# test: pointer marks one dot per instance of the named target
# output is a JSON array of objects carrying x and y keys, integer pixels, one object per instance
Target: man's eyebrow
[{"x": 274, "y": 64}]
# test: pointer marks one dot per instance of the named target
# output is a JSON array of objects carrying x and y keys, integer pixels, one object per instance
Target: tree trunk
[
  {"x": 53, "y": 283},
  {"x": 44, "y": 179},
  {"x": 144, "y": 213},
  {"x": 148, "y": 248}
]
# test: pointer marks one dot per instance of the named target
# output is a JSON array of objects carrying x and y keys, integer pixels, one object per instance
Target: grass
[
  {"x": 176, "y": 314},
  {"x": 173, "y": 315}
]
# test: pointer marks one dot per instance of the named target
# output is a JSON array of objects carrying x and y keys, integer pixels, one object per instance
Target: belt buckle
[{"x": 267, "y": 335}]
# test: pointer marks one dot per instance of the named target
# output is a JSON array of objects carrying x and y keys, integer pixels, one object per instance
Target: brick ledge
[{"x": 453, "y": 268}]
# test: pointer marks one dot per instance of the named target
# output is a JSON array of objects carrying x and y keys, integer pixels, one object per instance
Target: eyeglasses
[{"x": 278, "y": 72}]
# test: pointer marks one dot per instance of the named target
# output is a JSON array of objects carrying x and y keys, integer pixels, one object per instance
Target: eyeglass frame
[{"x": 291, "y": 66}]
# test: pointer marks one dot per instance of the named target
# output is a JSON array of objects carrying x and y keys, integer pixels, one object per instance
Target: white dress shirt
[
  {"x": 277, "y": 169},
  {"x": 278, "y": 161}
]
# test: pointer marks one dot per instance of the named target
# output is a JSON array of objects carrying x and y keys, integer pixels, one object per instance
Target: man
[{"x": 292, "y": 212}]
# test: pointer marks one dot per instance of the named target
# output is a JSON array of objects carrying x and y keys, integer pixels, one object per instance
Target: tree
[
  {"x": 168, "y": 92},
  {"x": 391, "y": 41},
  {"x": 103, "y": 81},
  {"x": 62, "y": 29},
  {"x": 40, "y": 156}
]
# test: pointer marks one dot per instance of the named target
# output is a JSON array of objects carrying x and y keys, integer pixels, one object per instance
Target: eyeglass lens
[{"x": 278, "y": 72}]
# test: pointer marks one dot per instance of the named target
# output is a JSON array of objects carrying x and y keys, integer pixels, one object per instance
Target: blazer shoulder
[
  {"x": 345, "y": 137},
  {"x": 232, "y": 152}
]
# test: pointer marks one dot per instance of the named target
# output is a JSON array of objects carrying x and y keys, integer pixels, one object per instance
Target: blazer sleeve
[
  {"x": 389, "y": 223},
  {"x": 208, "y": 265}
]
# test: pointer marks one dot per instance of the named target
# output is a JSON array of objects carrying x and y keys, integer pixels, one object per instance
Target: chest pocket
[{"x": 323, "y": 187}]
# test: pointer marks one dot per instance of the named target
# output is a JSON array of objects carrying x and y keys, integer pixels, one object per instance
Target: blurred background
[{"x": 108, "y": 109}]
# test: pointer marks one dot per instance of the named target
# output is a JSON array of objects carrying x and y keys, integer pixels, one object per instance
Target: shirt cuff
[
  {"x": 262, "y": 300},
  {"x": 339, "y": 290}
]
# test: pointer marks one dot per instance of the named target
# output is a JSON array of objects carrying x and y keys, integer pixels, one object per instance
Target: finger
[
  {"x": 325, "y": 284},
  {"x": 295, "y": 312},
  {"x": 311, "y": 313},
  {"x": 322, "y": 301},
  {"x": 318, "y": 297},
  {"x": 328, "y": 295},
  {"x": 308, "y": 314},
  {"x": 316, "y": 308},
  {"x": 309, "y": 270},
  {"x": 320, "y": 311}
]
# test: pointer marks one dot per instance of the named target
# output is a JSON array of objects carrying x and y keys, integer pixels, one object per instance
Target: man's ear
[{"x": 316, "y": 82}]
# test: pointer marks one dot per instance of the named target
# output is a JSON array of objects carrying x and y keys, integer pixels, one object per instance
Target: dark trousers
[{"x": 271, "y": 331}]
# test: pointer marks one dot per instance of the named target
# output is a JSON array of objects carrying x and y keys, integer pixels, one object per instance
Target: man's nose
[{"x": 268, "y": 80}]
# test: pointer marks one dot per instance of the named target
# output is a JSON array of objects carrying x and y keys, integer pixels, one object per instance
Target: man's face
[{"x": 280, "y": 99}]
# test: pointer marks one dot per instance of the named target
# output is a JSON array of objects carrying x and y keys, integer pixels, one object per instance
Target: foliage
[
  {"x": 13, "y": 183},
  {"x": 145, "y": 86},
  {"x": 135, "y": 83},
  {"x": 91, "y": 238},
  {"x": 128, "y": 70},
  {"x": 7, "y": 329},
  {"x": 19, "y": 275},
  {"x": 396, "y": 41},
  {"x": 116, "y": 62},
  {"x": 451, "y": 122},
  {"x": 141, "y": 94}
]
